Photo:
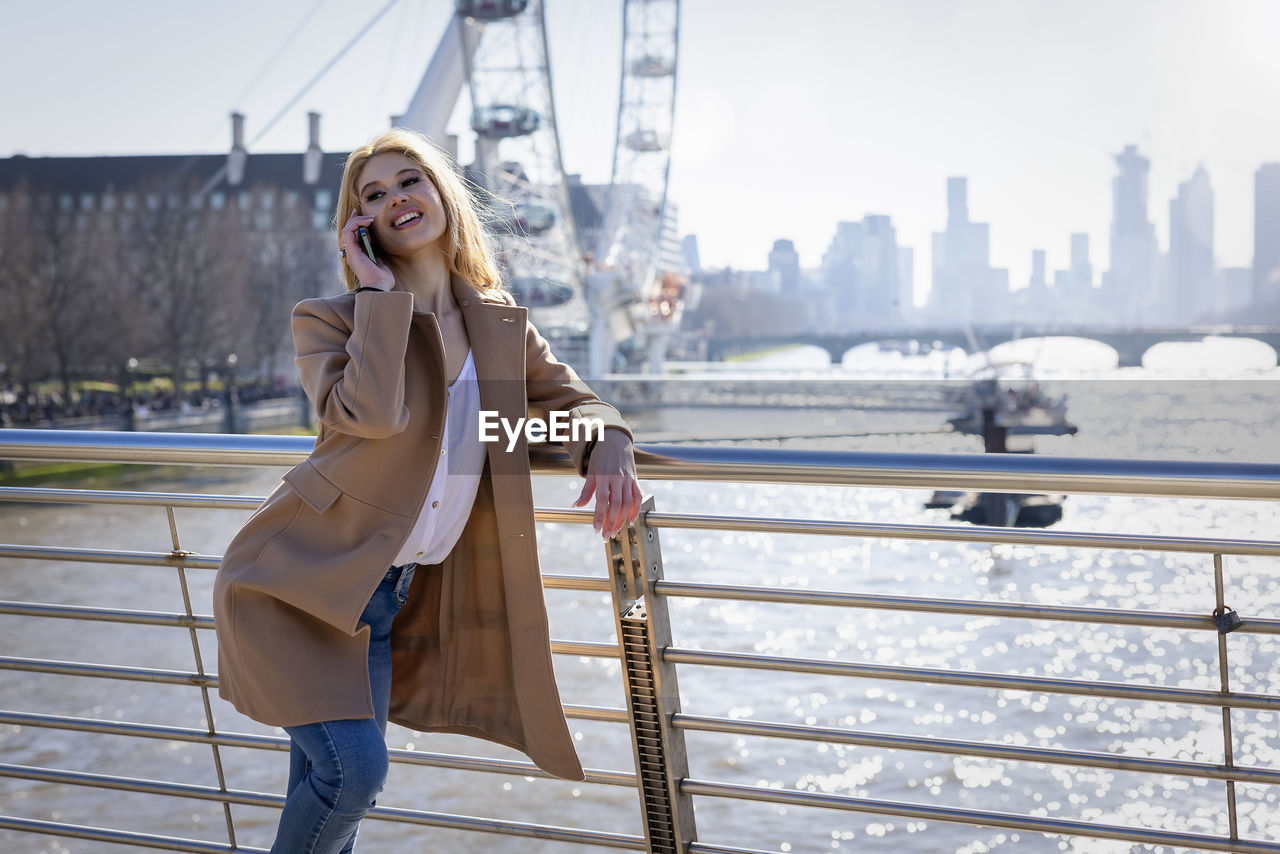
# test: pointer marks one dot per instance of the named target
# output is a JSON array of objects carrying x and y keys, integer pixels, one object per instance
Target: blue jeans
[{"x": 337, "y": 768}]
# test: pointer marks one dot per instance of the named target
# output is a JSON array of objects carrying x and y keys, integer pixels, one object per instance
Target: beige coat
[{"x": 470, "y": 648}]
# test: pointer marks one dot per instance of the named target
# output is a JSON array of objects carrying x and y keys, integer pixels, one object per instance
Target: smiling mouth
[{"x": 404, "y": 219}]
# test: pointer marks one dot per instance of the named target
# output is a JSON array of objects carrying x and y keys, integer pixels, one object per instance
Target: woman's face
[{"x": 408, "y": 214}]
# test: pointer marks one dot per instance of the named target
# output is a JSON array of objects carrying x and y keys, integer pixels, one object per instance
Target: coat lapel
[{"x": 497, "y": 332}]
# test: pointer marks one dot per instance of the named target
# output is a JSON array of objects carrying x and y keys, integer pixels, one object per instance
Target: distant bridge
[{"x": 1130, "y": 344}]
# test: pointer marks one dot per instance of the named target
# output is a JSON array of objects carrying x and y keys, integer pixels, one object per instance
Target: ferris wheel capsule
[
  {"x": 652, "y": 65},
  {"x": 489, "y": 10},
  {"x": 645, "y": 140},
  {"x": 532, "y": 218},
  {"x": 501, "y": 121}
]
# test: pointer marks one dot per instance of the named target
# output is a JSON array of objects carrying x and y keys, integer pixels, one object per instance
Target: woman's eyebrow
[{"x": 398, "y": 174}]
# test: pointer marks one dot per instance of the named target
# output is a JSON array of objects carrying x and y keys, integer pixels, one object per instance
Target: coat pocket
[{"x": 312, "y": 487}]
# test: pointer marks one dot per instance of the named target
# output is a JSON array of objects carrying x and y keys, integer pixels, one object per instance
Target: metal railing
[{"x": 649, "y": 657}]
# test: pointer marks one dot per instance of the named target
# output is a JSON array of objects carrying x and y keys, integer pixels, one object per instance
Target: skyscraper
[
  {"x": 1191, "y": 267},
  {"x": 906, "y": 283},
  {"x": 1035, "y": 298},
  {"x": 784, "y": 263},
  {"x": 879, "y": 294},
  {"x": 689, "y": 246},
  {"x": 965, "y": 287},
  {"x": 1266, "y": 234},
  {"x": 861, "y": 268},
  {"x": 1128, "y": 284},
  {"x": 1081, "y": 266}
]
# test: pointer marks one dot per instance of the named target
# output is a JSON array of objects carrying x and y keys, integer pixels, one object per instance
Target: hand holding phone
[
  {"x": 368, "y": 246},
  {"x": 370, "y": 272}
]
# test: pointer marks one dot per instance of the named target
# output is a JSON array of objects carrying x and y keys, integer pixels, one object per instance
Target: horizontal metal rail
[
  {"x": 975, "y": 679},
  {"x": 269, "y": 742},
  {"x": 1013, "y": 753},
  {"x": 956, "y": 607},
  {"x": 193, "y": 500},
  {"x": 967, "y": 534},
  {"x": 210, "y": 680},
  {"x": 761, "y": 595},
  {"x": 191, "y": 560},
  {"x": 704, "y": 848},
  {"x": 105, "y": 615},
  {"x": 258, "y": 799},
  {"x": 592, "y": 649},
  {"x": 750, "y": 524},
  {"x": 1197, "y": 545},
  {"x": 1018, "y": 473},
  {"x": 121, "y": 837},
  {"x": 983, "y": 818}
]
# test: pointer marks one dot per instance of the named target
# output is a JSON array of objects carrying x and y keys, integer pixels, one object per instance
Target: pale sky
[{"x": 790, "y": 116}]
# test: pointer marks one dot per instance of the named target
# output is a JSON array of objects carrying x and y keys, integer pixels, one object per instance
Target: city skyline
[{"x": 858, "y": 108}]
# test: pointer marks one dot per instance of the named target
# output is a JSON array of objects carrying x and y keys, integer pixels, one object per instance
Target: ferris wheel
[
  {"x": 517, "y": 158},
  {"x": 628, "y": 290},
  {"x": 635, "y": 286}
]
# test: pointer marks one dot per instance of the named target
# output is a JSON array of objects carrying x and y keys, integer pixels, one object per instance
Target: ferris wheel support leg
[
  {"x": 656, "y": 339},
  {"x": 601, "y": 345}
]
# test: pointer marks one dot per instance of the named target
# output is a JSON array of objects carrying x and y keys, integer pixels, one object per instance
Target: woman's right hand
[{"x": 371, "y": 275}]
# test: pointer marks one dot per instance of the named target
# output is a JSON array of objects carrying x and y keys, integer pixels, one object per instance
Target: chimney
[
  {"x": 236, "y": 159},
  {"x": 313, "y": 157}
]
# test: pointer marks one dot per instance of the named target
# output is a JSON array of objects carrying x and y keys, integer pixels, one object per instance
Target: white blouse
[{"x": 453, "y": 489}]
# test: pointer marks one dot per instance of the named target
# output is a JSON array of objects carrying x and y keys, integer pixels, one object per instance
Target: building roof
[{"x": 99, "y": 174}]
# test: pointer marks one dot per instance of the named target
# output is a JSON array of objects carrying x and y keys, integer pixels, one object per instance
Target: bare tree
[
  {"x": 289, "y": 262},
  {"x": 187, "y": 262},
  {"x": 154, "y": 274},
  {"x": 745, "y": 312},
  {"x": 52, "y": 257},
  {"x": 20, "y": 352}
]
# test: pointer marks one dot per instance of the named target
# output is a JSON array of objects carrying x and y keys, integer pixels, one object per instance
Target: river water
[{"x": 1207, "y": 401}]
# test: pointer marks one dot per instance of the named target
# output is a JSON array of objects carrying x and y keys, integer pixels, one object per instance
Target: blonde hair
[{"x": 472, "y": 256}]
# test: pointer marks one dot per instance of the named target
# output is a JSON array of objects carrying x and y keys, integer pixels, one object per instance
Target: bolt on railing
[{"x": 650, "y": 658}]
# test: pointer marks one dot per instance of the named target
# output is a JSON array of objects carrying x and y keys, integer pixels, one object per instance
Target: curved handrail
[{"x": 987, "y": 472}]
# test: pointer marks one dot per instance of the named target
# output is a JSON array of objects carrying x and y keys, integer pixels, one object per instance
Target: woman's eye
[
  {"x": 409, "y": 181},
  {"x": 375, "y": 194}
]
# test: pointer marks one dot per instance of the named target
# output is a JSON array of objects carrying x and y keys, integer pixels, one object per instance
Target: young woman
[{"x": 394, "y": 573}]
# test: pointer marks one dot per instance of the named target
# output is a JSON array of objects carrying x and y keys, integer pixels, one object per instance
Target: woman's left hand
[{"x": 611, "y": 475}]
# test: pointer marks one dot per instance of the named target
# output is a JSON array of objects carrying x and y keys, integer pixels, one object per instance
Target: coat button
[{"x": 435, "y": 503}]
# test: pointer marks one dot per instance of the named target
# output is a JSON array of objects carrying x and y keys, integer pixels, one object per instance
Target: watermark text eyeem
[{"x": 561, "y": 428}]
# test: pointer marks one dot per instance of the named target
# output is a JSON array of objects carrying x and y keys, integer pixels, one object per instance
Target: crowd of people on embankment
[{"x": 32, "y": 408}]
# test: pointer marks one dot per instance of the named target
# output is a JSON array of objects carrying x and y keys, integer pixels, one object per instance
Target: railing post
[
  {"x": 653, "y": 695},
  {"x": 179, "y": 552},
  {"x": 1228, "y": 751}
]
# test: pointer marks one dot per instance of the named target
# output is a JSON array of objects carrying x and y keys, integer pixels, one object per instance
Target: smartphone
[{"x": 368, "y": 244}]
